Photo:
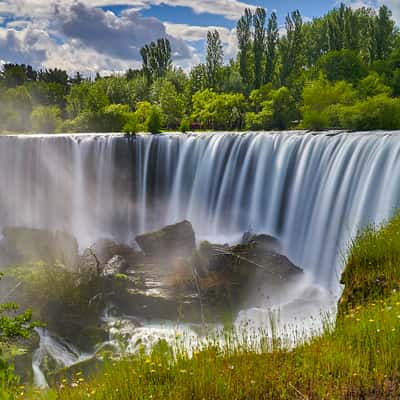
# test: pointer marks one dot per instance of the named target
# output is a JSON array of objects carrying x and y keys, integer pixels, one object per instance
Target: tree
[
  {"x": 214, "y": 58},
  {"x": 291, "y": 45},
  {"x": 276, "y": 112},
  {"x": 384, "y": 31},
  {"x": 198, "y": 78},
  {"x": 155, "y": 120},
  {"x": 378, "y": 112},
  {"x": 373, "y": 85},
  {"x": 157, "y": 59},
  {"x": 321, "y": 99},
  {"x": 86, "y": 97},
  {"x": 142, "y": 113},
  {"x": 259, "y": 45},
  {"x": 17, "y": 105},
  {"x": 219, "y": 111},
  {"x": 171, "y": 104},
  {"x": 46, "y": 119},
  {"x": 271, "y": 45},
  {"x": 243, "y": 32},
  {"x": 17, "y": 74},
  {"x": 343, "y": 65}
]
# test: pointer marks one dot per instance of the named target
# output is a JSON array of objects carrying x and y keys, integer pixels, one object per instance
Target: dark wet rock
[
  {"x": 230, "y": 272},
  {"x": 172, "y": 241},
  {"x": 22, "y": 362},
  {"x": 100, "y": 258},
  {"x": 116, "y": 265},
  {"x": 262, "y": 242},
  {"x": 26, "y": 245}
]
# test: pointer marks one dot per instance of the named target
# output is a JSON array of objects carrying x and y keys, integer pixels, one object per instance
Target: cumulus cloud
[
  {"x": 118, "y": 36},
  {"x": 79, "y": 37},
  {"x": 231, "y": 9}
]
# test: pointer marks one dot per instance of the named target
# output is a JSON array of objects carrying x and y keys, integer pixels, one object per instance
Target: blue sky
[{"x": 106, "y": 35}]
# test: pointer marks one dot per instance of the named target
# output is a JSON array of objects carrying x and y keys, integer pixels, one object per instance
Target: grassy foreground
[{"x": 358, "y": 357}]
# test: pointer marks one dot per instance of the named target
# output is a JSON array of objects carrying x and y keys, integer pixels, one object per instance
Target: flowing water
[{"x": 311, "y": 191}]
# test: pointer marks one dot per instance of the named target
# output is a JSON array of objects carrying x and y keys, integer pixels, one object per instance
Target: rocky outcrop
[
  {"x": 26, "y": 245},
  {"x": 170, "y": 242},
  {"x": 101, "y": 259}
]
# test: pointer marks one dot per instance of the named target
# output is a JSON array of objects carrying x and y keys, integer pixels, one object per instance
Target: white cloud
[
  {"x": 77, "y": 35},
  {"x": 231, "y": 9}
]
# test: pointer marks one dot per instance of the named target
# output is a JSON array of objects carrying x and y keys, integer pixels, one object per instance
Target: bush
[
  {"x": 131, "y": 126},
  {"x": 379, "y": 112},
  {"x": 185, "y": 125},
  {"x": 46, "y": 119},
  {"x": 343, "y": 65},
  {"x": 154, "y": 120}
]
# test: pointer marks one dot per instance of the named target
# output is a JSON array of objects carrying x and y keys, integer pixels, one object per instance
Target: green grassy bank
[{"x": 358, "y": 357}]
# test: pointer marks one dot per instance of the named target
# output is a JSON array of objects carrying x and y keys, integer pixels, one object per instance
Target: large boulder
[
  {"x": 106, "y": 257},
  {"x": 170, "y": 242},
  {"x": 25, "y": 245}
]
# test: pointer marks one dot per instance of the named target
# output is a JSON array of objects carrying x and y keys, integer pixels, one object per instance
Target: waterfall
[{"x": 311, "y": 191}]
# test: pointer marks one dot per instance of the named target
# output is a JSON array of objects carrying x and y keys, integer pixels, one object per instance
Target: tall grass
[{"x": 358, "y": 357}]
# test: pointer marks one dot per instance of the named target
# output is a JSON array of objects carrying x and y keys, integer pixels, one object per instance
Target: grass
[{"x": 357, "y": 357}]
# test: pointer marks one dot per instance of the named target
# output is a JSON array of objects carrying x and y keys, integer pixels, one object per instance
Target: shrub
[
  {"x": 379, "y": 112},
  {"x": 185, "y": 125},
  {"x": 46, "y": 119},
  {"x": 154, "y": 120}
]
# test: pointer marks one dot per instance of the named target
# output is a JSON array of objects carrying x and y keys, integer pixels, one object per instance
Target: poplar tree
[
  {"x": 214, "y": 58},
  {"x": 271, "y": 45},
  {"x": 243, "y": 32},
  {"x": 259, "y": 45}
]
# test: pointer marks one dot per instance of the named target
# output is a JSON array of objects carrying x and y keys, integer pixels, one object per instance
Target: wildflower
[
  {"x": 371, "y": 320},
  {"x": 153, "y": 371},
  {"x": 231, "y": 367},
  {"x": 183, "y": 371},
  {"x": 252, "y": 382},
  {"x": 81, "y": 380}
]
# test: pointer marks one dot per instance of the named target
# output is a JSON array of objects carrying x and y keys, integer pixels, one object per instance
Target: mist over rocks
[
  {"x": 172, "y": 241},
  {"x": 27, "y": 245}
]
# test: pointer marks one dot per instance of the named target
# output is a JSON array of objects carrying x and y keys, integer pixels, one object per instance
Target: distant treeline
[{"x": 338, "y": 71}]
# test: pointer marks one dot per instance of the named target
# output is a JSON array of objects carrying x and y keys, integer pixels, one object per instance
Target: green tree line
[{"x": 341, "y": 71}]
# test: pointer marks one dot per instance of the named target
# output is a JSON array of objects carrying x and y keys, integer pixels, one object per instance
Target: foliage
[
  {"x": 46, "y": 119},
  {"x": 185, "y": 125},
  {"x": 378, "y": 112},
  {"x": 218, "y": 111},
  {"x": 154, "y": 121},
  {"x": 156, "y": 59},
  {"x": 343, "y": 65},
  {"x": 357, "y": 46},
  {"x": 214, "y": 58},
  {"x": 320, "y": 98}
]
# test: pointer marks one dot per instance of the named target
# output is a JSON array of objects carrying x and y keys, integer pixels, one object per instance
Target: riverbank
[{"x": 356, "y": 357}]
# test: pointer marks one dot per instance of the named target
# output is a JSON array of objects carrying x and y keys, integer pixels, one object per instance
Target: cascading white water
[{"x": 312, "y": 191}]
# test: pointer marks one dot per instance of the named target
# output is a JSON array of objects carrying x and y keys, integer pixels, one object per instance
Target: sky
[{"x": 105, "y": 36}]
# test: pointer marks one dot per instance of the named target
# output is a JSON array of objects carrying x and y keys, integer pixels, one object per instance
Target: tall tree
[
  {"x": 271, "y": 45},
  {"x": 259, "y": 45},
  {"x": 291, "y": 45},
  {"x": 243, "y": 32},
  {"x": 157, "y": 59},
  {"x": 384, "y": 33},
  {"x": 215, "y": 57}
]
